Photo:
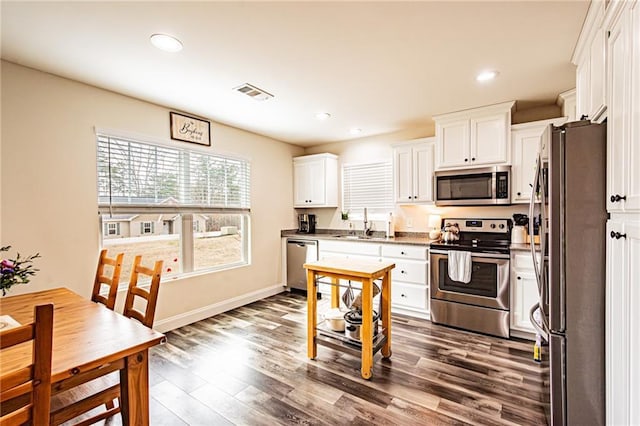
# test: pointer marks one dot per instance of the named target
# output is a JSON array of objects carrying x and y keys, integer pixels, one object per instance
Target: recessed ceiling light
[
  {"x": 166, "y": 42},
  {"x": 323, "y": 115},
  {"x": 487, "y": 75},
  {"x": 355, "y": 131}
]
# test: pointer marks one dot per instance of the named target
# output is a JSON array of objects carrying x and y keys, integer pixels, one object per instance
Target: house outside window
[{"x": 184, "y": 207}]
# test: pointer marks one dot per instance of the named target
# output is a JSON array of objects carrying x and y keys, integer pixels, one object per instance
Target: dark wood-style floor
[{"x": 249, "y": 366}]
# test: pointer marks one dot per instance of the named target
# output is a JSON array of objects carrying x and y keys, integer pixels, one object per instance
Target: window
[
  {"x": 112, "y": 229},
  {"x": 367, "y": 185},
  {"x": 146, "y": 228},
  {"x": 184, "y": 207}
]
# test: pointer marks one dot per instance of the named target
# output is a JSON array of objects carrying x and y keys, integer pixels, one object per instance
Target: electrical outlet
[{"x": 409, "y": 222}]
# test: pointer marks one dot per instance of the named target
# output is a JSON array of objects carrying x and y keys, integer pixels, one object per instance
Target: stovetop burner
[{"x": 479, "y": 236}]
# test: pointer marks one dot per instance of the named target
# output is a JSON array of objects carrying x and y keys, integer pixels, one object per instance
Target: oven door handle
[{"x": 474, "y": 254}]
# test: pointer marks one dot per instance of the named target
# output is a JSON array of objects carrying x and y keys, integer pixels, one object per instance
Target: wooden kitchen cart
[{"x": 364, "y": 271}]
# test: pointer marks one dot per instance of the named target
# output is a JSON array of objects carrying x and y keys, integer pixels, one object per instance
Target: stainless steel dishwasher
[{"x": 299, "y": 252}]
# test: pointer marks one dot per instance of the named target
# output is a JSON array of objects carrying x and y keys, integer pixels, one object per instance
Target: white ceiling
[{"x": 380, "y": 66}]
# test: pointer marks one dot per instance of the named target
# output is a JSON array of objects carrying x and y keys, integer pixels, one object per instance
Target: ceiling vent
[{"x": 254, "y": 92}]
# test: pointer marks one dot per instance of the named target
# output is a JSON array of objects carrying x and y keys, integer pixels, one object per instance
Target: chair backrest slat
[
  {"x": 150, "y": 296},
  {"x": 35, "y": 378},
  {"x": 111, "y": 281}
]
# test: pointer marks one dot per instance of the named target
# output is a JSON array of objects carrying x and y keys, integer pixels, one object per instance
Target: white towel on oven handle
[{"x": 460, "y": 266}]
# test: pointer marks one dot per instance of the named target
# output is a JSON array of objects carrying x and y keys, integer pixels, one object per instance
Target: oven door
[{"x": 489, "y": 285}]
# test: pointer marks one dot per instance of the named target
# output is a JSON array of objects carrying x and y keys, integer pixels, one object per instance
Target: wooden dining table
[{"x": 88, "y": 338}]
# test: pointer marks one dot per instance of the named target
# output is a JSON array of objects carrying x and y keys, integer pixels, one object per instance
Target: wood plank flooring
[{"x": 249, "y": 367}]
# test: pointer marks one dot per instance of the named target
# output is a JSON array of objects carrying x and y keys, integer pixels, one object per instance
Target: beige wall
[{"x": 48, "y": 192}]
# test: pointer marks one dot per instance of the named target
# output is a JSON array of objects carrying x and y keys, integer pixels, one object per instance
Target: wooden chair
[
  {"x": 151, "y": 296},
  {"x": 25, "y": 393},
  {"x": 102, "y": 279},
  {"x": 102, "y": 390}
]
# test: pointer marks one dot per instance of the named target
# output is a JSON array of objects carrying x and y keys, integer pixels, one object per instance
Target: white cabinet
[
  {"x": 409, "y": 279},
  {"x": 475, "y": 137},
  {"x": 524, "y": 293},
  {"x": 315, "y": 181},
  {"x": 589, "y": 58},
  {"x": 413, "y": 171},
  {"x": 567, "y": 101},
  {"x": 623, "y": 322},
  {"x": 623, "y": 127},
  {"x": 527, "y": 140}
]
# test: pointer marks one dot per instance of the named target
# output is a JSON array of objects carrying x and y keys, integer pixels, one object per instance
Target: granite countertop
[{"x": 410, "y": 238}]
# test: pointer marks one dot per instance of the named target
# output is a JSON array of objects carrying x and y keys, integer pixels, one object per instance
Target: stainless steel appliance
[
  {"x": 299, "y": 252},
  {"x": 572, "y": 189},
  {"x": 306, "y": 223},
  {"x": 482, "y": 304},
  {"x": 473, "y": 187}
]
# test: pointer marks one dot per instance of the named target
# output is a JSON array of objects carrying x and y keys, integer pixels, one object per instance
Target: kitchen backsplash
[{"x": 413, "y": 218}]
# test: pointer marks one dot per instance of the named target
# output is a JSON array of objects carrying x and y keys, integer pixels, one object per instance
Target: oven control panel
[{"x": 480, "y": 225}]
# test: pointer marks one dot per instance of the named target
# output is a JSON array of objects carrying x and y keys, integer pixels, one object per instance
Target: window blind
[
  {"x": 153, "y": 177},
  {"x": 367, "y": 185}
]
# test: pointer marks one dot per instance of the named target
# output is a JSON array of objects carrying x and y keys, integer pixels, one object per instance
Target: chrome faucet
[{"x": 366, "y": 230}]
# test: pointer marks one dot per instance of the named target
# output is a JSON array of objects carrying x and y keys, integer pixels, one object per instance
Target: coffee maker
[{"x": 306, "y": 223}]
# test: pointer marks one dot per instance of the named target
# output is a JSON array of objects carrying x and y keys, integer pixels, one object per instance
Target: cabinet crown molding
[
  {"x": 534, "y": 124},
  {"x": 501, "y": 107},
  {"x": 592, "y": 23},
  {"x": 414, "y": 141},
  {"x": 311, "y": 156}
]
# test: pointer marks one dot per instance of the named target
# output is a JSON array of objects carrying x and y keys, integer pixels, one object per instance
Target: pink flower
[{"x": 7, "y": 263}]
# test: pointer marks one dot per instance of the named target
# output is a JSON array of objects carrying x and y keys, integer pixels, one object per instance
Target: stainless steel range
[{"x": 482, "y": 303}]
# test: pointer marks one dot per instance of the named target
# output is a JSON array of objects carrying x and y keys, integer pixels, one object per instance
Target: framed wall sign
[{"x": 190, "y": 129}]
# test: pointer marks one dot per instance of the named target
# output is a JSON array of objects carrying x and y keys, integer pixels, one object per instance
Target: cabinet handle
[
  {"x": 618, "y": 235},
  {"x": 403, "y": 272},
  {"x": 402, "y": 252},
  {"x": 618, "y": 197},
  {"x": 403, "y": 295},
  {"x": 466, "y": 159},
  {"x": 519, "y": 193},
  {"x": 473, "y": 159},
  {"x": 519, "y": 278}
]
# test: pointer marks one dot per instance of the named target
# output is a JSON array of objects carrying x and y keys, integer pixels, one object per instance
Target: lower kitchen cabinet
[
  {"x": 409, "y": 279},
  {"x": 622, "y": 331},
  {"x": 524, "y": 294}
]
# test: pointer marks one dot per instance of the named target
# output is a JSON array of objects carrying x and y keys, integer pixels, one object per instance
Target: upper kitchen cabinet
[
  {"x": 474, "y": 137},
  {"x": 527, "y": 140},
  {"x": 413, "y": 171},
  {"x": 567, "y": 102},
  {"x": 315, "y": 181},
  {"x": 589, "y": 58},
  {"x": 623, "y": 98}
]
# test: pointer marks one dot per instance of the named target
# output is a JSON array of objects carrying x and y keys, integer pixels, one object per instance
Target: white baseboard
[{"x": 190, "y": 317}]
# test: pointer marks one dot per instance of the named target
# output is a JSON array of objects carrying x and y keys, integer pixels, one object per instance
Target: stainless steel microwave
[{"x": 473, "y": 187}]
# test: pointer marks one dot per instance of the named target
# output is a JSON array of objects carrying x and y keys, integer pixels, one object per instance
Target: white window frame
[
  {"x": 380, "y": 190},
  {"x": 112, "y": 225},
  {"x": 237, "y": 204},
  {"x": 146, "y": 227}
]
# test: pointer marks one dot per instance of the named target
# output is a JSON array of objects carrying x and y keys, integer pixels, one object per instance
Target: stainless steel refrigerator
[{"x": 569, "y": 202}]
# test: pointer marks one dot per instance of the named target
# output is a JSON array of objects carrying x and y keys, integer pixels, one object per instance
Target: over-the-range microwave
[{"x": 473, "y": 187}]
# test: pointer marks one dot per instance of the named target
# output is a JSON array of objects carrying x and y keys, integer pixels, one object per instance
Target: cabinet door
[
  {"x": 423, "y": 172},
  {"x": 633, "y": 156},
  {"x": 622, "y": 323},
  {"x": 489, "y": 140},
  {"x": 597, "y": 82},
  {"x": 583, "y": 97},
  {"x": 453, "y": 143},
  {"x": 524, "y": 296},
  {"x": 403, "y": 163},
  {"x": 618, "y": 125},
  {"x": 301, "y": 184},
  {"x": 316, "y": 182},
  {"x": 526, "y": 144}
]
